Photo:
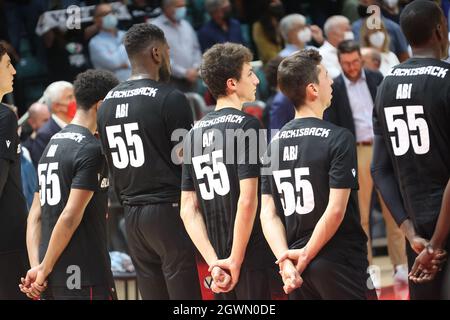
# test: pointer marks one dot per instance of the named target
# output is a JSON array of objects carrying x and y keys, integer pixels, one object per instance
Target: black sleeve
[
  {"x": 8, "y": 134},
  {"x": 343, "y": 167},
  {"x": 187, "y": 181},
  {"x": 266, "y": 172},
  {"x": 247, "y": 150},
  {"x": 4, "y": 173},
  {"x": 88, "y": 166},
  {"x": 385, "y": 181},
  {"x": 375, "y": 116},
  {"x": 177, "y": 113}
]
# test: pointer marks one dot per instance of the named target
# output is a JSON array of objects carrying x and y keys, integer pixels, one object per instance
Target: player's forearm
[
  {"x": 33, "y": 235},
  {"x": 273, "y": 227},
  {"x": 386, "y": 182},
  {"x": 196, "y": 229},
  {"x": 64, "y": 229},
  {"x": 243, "y": 226},
  {"x": 328, "y": 224},
  {"x": 443, "y": 224}
]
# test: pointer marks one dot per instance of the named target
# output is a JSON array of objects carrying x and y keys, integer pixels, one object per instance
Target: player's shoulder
[
  {"x": 6, "y": 114},
  {"x": 339, "y": 133}
]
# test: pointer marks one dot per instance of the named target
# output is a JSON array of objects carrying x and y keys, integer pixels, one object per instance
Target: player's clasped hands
[
  {"x": 34, "y": 282},
  {"x": 225, "y": 275},
  {"x": 292, "y": 263},
  {"x": 427, "y": 264}
]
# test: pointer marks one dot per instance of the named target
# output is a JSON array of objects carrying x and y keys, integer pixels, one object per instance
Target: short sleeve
[
  {"x": 248, "y": 161},
  {"x": 187, "y": 181},
  {"x": 343, "y": 167},
  {"x": 177, "y": 113},
  {"x": 89, "y": 164},
  {"x": 8, "y": 134}
]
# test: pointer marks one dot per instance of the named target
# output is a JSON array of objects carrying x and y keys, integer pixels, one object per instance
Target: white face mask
[
  {"x": 348, "y": 35},
  {"x": 304, "y": 35},
  {"x": 377, "y": 39},
  {"x": 391, "y": 3}
]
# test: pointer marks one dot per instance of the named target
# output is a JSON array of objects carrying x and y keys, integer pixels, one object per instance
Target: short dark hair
[
  {"x": 270, "y": 71},
  {"x": 222, "y": 62},
  {"x": 92, "y": 86},
  {"x": 2, "y": 50},
  {"x": 418, "y": 20},
  {"x": 348, "y": 46},
  {"x": 140, "y": 36},
  {"x": 296, "y": 72}
]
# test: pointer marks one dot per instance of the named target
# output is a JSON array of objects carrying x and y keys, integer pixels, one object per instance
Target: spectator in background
[
  {"x": 141, "y": 11},
  {"x": 58, "y": 96},
  {"x": 106, "y": 48},
  {"x": 391, "y": 9},
  {"x": 296, "y": 34},
  {"x": 185, "y": 54},
  {"x": 266, "y": 33},
  {"x": 379, "y": 39},
  {"x": 38, "y": 115},
  {"x": 354, "y": 94},
  {"x": 371, "y": 58},
  {"x": 398, "y": 43},
  {"x": 337, "y": 29},
  {"x": 221, "y": 28}
]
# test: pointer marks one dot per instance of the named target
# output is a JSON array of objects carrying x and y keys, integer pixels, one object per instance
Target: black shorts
[
  {"x": 84, "y": 293},
  {"x": 162, "y": 252},
  {"x": 13, "y": 266},
  {"x": 329, "y": 280}
]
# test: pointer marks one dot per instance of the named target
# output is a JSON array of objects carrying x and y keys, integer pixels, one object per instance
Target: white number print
[
  {"x": 50, "y": 191},
  {"x": 404, "y": 130},
  {"x": 124, "y": 157},
  {"x": 221, "y": 185},
  {"x": 292, "y": 197}
]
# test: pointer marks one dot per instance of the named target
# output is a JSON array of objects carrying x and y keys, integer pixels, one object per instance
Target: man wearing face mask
[
  {"x": 221, "y": 28},
  {"x": 142, "y": 113},
  {"x": 296, "y": 34},
  {"x": 336, "y": 29},
  {"x": 185, "y": 54},
  {"x": 59, "y": 97},
  {"x": 106, "y": 49},
  {"x": 398, "y": 43}
]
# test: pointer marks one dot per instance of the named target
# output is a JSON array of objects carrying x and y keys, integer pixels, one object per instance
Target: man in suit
[
  {"x": 354, "y": 92},
  {"x": 58, "y": 97}
]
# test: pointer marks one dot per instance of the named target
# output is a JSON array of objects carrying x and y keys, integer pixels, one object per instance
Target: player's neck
[
  {"x": 87, "y": 119},
  {"x": 309, "y": 110},
  {"x": 140, "y": 71},
  {"x": 430, "y": 52},
  {"x": 231, "y": 101}
]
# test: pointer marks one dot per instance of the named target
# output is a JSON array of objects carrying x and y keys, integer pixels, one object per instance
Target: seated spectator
[
  {"x": 265, "y": 32},
  {"x": 336, "y": 29},
  {"x": 58, "y": 96},
  {"x": 141, "y": 11},
  {"x": 38, "y": 115},
  {"x": 398, "y": 43},
  {"x": 106, "y": 49},
  {"x": 371, "y": 58},
  {"x": 221, "y": 28},
  {"x": 296, "y": 34},
  {"x": 379, "y": 39},
  {"x": 391, "y": 9},
  {"x": 185, "y": 54},
  {"x": 67, "y": 53}
]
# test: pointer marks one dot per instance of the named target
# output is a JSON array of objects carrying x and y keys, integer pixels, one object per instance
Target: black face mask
[
  {"x": 277, "y": 10},
  {"x": 362, "y": 11}
]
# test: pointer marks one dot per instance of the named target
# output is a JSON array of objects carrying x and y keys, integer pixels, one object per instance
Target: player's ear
[
  {"x": 312, "y": 91},
  {"x": 231, "y": 84},
  {"x": 156, "y": 54}
]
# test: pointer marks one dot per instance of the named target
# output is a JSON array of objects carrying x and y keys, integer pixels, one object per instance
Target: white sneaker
[
  {"x": 375, "y": 277},
  {"x": 401, "y": 274}
]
